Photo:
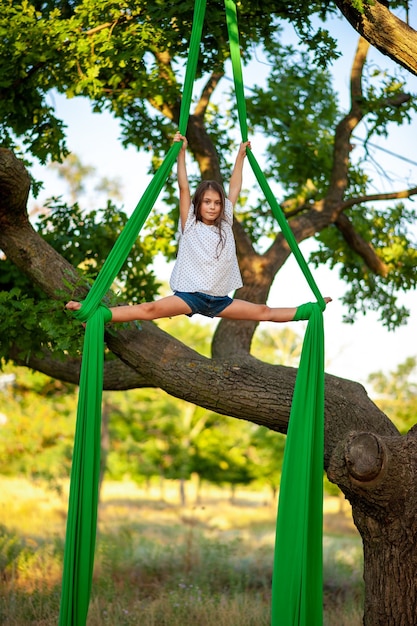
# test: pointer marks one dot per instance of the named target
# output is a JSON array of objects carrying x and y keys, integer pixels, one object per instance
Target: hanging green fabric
[
  {"x": 297, "y": 584},
  {"x": 83, "y": 497},
  {"x": 297, "y": 587}
]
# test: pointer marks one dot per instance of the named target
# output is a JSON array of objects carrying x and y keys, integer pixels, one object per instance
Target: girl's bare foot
[
  {"x": 72, "y": 305},
  {"x": 327, "y": 300}
]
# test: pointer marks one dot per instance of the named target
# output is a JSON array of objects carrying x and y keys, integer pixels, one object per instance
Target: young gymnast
[{"x": 206, "y": 269}]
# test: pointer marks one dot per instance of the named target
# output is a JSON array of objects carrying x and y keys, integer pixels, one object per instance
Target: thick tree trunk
[
  {"x": 379, "y": 477},
  {"x": 231, "y": 337}
]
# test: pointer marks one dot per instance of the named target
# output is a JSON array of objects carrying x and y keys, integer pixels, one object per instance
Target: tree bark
[
  {"x": 379, "y": 477},
  {"x": 384, "y": 30},
  {"x": 18, "y": 239}
]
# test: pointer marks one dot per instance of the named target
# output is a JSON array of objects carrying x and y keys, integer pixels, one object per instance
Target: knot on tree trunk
[
  {"x": 358, "y": 462},
  {"x": 14, "y": 189},
  {"x": 364, "y": 455},
  {"x": 377, "y": 474}
]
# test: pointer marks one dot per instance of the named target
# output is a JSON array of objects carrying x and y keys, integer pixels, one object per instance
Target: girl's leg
[
  {"x": 243, "y": 310},
  {"x": 164, "y": 307}
]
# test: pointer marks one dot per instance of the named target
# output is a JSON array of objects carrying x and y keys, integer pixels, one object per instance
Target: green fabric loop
[
  {"x": 81, "y": 315},
  {"x": 297, "y": 587},
  {"x": 303, "y": 312},
  {"x": 83, "y": 497},
  {"x": 107, "y": 314}
]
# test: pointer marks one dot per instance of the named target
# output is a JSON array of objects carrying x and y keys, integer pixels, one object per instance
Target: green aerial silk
[
  {"x": 297, "y": 586},
  {"x": 297, "y": 583},
  {"x": 83, "y": 498}
]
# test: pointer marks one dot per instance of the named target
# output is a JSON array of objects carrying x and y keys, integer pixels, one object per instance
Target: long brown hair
[{"x": 197, "y": 199}]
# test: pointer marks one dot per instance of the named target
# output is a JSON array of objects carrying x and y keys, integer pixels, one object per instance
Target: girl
[{"x": 206, "y": 269}]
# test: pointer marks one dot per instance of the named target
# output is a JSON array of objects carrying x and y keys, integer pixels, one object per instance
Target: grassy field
[{"x": 157, "y": 564}]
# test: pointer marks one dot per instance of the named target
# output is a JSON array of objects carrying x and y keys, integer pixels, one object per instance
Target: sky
[{"x": 352, "y": 351}]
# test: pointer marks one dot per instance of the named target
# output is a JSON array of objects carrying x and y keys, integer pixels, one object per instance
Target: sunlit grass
[{"x": 159, "y": 564}]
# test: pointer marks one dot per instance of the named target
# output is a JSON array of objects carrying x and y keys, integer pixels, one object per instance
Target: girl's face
[{"x": 211, "y": 206}]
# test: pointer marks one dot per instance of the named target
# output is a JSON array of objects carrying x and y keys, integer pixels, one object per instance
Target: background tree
[
  {"x": 129, "y": 59},
  {"x": 396, "y": 393},
  {"x": 37, "y": 427}
]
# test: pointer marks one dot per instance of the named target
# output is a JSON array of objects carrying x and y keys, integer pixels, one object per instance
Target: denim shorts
[{"x": 202, "y": 303}]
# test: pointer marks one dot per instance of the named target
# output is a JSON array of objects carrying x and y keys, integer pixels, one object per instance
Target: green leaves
[
  {"x": 33, "y": 322},
  {"x": 38, "y": 429},
  {"x": 86, "y": 238},
  {"x": 386, "y": 101},
  {"x": 120, "y": 55},
  {"x": 389, "y": 230},
  {"x": 396, "y": 393},
  {"x": 297, "y": 111},
  {"x": 29, "y": 324},
  {"x": 28, "y": 49}
]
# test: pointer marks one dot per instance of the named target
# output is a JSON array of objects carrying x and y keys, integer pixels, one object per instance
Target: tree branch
[
  {"x": 202, "y": 149},
  {"x": 100, "y": 27},
  {"x": 245, "y": 387},
  {"x": 14, "y": 189},
  {"x": 384, "y": 30},
  {"x": 163, "y": 59},
  {"x": 377, "y": 197},
  {"x": 365, "y": 250},
  {"x": 120, "y": 20},
  {"x": 207, "y": 92},
  {"x": 342, "y": 143},
  {"x": 117, "y": 375}
]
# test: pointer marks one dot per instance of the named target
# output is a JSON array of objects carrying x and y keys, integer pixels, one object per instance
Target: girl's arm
[
  {"x": 184, "y": 188},
  {"x": 235, "y": 184}
]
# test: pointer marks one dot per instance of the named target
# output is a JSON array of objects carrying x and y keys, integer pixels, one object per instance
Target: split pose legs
[{"x": 173, "y": 305}]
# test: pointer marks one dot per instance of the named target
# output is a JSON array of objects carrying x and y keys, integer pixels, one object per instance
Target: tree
[
  {"x": 396, "y": 393},
  {"x": 127, "y": 58},
  {"x": 37, "y": 427}
]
